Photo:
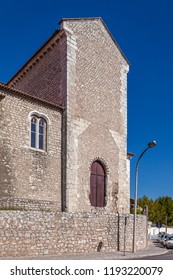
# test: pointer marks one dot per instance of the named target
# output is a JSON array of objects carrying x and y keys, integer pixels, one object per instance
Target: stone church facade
[
  {"x": 80, "y": 74},
  {"x": 63, "y": 121}
]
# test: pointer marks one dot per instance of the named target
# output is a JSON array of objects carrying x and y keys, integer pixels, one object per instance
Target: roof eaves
[
  {"x": 35, "y": 56},
  {"x": 18, "y": 92},
  {"x": 115, "y": 41},
  {"x": 130, "y": 155},
  {"x": 99, "y": 18}
]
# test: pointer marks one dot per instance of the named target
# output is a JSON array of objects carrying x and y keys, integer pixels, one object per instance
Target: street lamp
[{"x": 150, "y": 145}]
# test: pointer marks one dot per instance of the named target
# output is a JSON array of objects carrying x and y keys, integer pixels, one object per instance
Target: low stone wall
[
  {"x": 31, "y": 233},
  {"x": 27, "y": 204}
]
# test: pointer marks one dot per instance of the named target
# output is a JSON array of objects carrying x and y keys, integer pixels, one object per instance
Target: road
[{"x": 167, "y": 256}]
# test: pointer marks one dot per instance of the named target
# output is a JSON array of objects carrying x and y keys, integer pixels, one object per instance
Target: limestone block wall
[
  {"x": 126, "y": 232},
  {"x": 82, "y": 68},
  {"x": 33, "y": 233},
  {"x": 29, "y": 178},
  {"x": 96, "y": 113}
]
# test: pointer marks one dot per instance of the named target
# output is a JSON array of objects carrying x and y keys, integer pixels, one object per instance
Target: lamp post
[{"x": 150, "y": 145}]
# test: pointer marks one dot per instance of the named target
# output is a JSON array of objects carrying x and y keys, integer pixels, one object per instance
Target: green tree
[
  {"x": 165, "y": 210},
  {"x": 160, "y": 210},
  {"x": 145, "y": 201}
]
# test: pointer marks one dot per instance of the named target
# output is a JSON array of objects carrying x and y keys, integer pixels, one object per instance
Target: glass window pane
[
  {"x": 33, "y": 139},
  {"x": 41, "y": 142},
  {"x": 33, "y": 127},
  {"x": 42, "y": 125},
  {"x": 41, "y": 129},
  {"x": 41, "y": 122},
  {"x": 42, "y": 134}
]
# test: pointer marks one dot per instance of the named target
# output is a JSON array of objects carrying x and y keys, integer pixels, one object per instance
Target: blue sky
[{"x": 143, "y": 30}]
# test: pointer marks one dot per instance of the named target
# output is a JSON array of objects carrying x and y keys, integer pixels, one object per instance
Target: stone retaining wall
[
  {"x": 25, "y": 204},
  {"x": 31, "y": 233}
]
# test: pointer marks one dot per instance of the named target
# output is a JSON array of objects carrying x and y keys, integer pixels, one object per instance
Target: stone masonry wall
[
  {"x": 82, "y": 67},
  {"x": 33, "y": 233},
  {"x": 29, "y": 178},
  {"x": 96, "y": 114}
]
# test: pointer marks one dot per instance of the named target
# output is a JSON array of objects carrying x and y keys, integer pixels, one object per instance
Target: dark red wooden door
[{"x": 97, "y": 185}]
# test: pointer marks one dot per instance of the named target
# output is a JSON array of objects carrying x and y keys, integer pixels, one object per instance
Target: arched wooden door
[{"x": 97, "y": 185}]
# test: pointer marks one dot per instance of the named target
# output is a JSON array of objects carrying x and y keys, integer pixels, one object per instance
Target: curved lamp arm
[{"x": 150, "y": 145}]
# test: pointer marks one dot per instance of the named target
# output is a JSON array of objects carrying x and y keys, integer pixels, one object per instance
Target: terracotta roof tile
[{"x": 18, "y": 92}]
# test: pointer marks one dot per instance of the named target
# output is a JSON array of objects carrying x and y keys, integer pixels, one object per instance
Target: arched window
[
  {"x": 97, "y": 185},
  {"x": 38, "y": 130}
]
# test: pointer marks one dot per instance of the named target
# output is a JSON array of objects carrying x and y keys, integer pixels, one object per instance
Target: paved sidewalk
[{"x": 153, "y": 248}]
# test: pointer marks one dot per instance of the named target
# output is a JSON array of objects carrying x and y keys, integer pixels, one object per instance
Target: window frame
[{"x": 38, "y": 118}]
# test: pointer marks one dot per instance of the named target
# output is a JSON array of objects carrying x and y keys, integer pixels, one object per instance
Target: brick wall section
[
  {"x": 28, "y": 176},
  {"x": 96, "y": 114},
  {"x": 33, "y": 233},
  {"x": 44, "y": 76}
]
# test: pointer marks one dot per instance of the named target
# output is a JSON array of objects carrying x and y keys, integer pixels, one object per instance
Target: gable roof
[
  {"x": 37, "y": 56},
  {"x": 108, "y": 31},
  {"x": 57, "y": 35}
]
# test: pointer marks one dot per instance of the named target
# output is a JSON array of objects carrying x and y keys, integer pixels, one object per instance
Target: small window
[
  {"x": 33, "y": 132},
  {"x": 38, "y": 131}
]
